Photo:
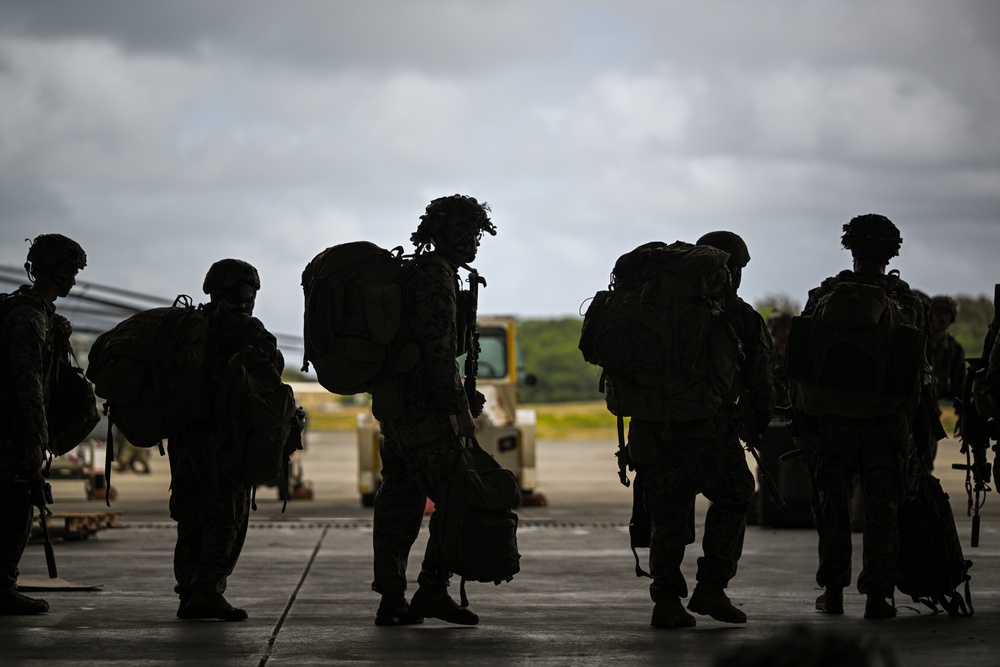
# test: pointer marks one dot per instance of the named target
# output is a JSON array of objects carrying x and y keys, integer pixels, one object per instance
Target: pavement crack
[{"x": 291, "y": 599}]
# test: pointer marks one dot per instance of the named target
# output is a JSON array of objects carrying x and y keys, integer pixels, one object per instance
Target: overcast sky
[{"x": 166, "y": 135}]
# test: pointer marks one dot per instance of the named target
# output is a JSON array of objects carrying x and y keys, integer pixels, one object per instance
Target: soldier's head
[
  {"x": 739, "y": 254},
  {"x": 943, "y": 311},
  {"x": 54, "y": 260},
  {"x": 778, "y": 324},
  {"x": 453, "y": 227},
  {"x": 872, "y": 238},
  {"x": 233, "y": 283}
]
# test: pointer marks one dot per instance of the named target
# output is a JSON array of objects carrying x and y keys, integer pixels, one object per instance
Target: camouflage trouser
[
  {"x": 16, "y": 516},
  {"x": 212, "y": 516},
  {"x": 876, "y": 449},
  {"x": 715, "y": 467},
  {"x": 410, "y": 474}
]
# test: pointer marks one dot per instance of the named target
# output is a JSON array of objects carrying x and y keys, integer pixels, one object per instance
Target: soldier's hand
[
  {"x": 478, "y": 403},
  {"x": 466, "y": 424},
  {"x": 62, "y": 325}
]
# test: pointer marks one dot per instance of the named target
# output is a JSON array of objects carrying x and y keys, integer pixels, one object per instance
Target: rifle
[
  {"x": 753, "y": 444},
  {"x": 472, "y": 347},
  {"x": 977, "y": 431},
  {"x": 40, "y": 495}
]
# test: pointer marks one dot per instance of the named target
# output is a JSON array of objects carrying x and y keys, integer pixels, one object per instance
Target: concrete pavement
[{"x": 304, "y": 579}]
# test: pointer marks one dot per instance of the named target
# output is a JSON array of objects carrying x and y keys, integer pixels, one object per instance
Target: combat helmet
[
  {"x": 731, "y": 242},
  {"x": 227, "y": 280},
  {"x": 739, "y": 254},
  {"x": 454, "y": 221},
  {"x": 872, "y": 237},
  {"x": 48, "y": 251}
]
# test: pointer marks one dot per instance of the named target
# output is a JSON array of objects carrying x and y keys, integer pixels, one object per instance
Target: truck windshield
[{"x": 492, "y": 355}]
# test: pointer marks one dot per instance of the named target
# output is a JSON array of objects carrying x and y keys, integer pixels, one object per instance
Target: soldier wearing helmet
[
  {"x": 32, "y": 338},
  {"x": 432, "y": 413},
  {"x": 838, "y": 447},
  {"x": 211, "y": 509},
  {"x": 945, "y": 354},
  {"x": 670, "y": 483},
  {"x": 728, "y": 483}
]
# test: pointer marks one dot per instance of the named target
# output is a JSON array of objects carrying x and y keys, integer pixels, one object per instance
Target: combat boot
[
  {"x": 877, "y": 607},
  {"x": 438, "y": 604},
  {"x": 709, "y": 600},
  {"x": 831, "y": 601},
  {"x": 210, "y": 605},
  {"x": 394, "y": 610},
  {"x": 13, "y": 603},
  {"x": 184, "y": 594},
  {"x": 670, "y": 613}
]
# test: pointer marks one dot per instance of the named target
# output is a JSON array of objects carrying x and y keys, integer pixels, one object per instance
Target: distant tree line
[{"x": 549, "y": 348}]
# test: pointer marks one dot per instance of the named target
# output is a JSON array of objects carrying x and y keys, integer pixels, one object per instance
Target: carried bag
[
  {"x": 72, "y": 412},
  {"x": 932, "y": 566},
  {"x": 151, "y": 371},
  {"x": 658, "y": 332},
  {"x": 256, "y": 412},
  {"x": 859, "y": 352},
  {"x": 479, "y": 527},
  {"x": 354, "y": 331}
]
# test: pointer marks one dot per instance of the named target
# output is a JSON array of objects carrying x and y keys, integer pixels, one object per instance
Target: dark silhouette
[
  {"x": 857, "y": 381},
  {"x": 209, "y": 500},
  {"x": 33, "y": 338},
  {"x": 429, "y": 413}
]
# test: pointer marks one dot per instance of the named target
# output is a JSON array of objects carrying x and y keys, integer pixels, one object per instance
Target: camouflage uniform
[
  {"x": 25, "y": 368},
  {"x": 876, "y": 449},
  {"x": 212, "y": 511},
  {"x": 417, "y": 442},
  {"x": 947, "y": 359},
  {"x": 704, "y": 456}
]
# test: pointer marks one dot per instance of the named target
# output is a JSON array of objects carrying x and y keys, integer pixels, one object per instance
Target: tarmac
[{"x": 305, "y": 575}]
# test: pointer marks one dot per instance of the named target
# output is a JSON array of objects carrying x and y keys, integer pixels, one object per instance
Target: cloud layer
[{"x": 164, "y": 136}]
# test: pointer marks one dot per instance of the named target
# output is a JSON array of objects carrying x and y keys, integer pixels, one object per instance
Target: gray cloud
[{"x": 167, "y": 135}]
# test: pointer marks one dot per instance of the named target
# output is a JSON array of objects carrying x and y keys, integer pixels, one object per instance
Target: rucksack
[
  {"x": 479, "y": 528},
  {"x": 859, "y": 352},
  {"x": 71, "y": 412},
  {"x": 256, "y": 411},
  {"x": 151, "y": 371},
  {"x": 931, "y": 564},
  {"x": 667, "y": 351},
  {"x": 355, "y": 330}
]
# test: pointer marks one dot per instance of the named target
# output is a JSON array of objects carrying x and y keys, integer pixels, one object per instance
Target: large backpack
[
  {"x": 658, "y": 332},
  {"x": 355, "y": 330},
  {"x": 479, "y": 528},
  {"x": 151, "y": 370},
  {"x": 859, "y": 352},
  {"x": 256, "y": 411},
  {"x": 71, "y": 411},
  {"x": 931, "y": 564}
]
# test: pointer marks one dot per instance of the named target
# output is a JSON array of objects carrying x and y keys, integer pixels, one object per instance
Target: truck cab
[{"x": 503, "y": 429}]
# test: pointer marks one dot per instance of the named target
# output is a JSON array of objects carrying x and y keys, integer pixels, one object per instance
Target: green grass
[{"x": 583, "y": 420}]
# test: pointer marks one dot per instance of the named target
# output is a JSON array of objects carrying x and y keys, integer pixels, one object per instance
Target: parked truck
[{"x": 504, "y": 430}]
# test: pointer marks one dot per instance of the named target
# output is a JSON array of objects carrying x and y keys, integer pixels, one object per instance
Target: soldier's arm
[
  {"x": 759, "y": 370},
  {"x": 432, "y": 306},
  {"x": 26, "y": 329}
]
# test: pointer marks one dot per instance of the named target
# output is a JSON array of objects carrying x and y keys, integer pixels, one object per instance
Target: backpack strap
[
  {"x": 109, "y": 460},
  {"x": 463, "y": 597}
]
